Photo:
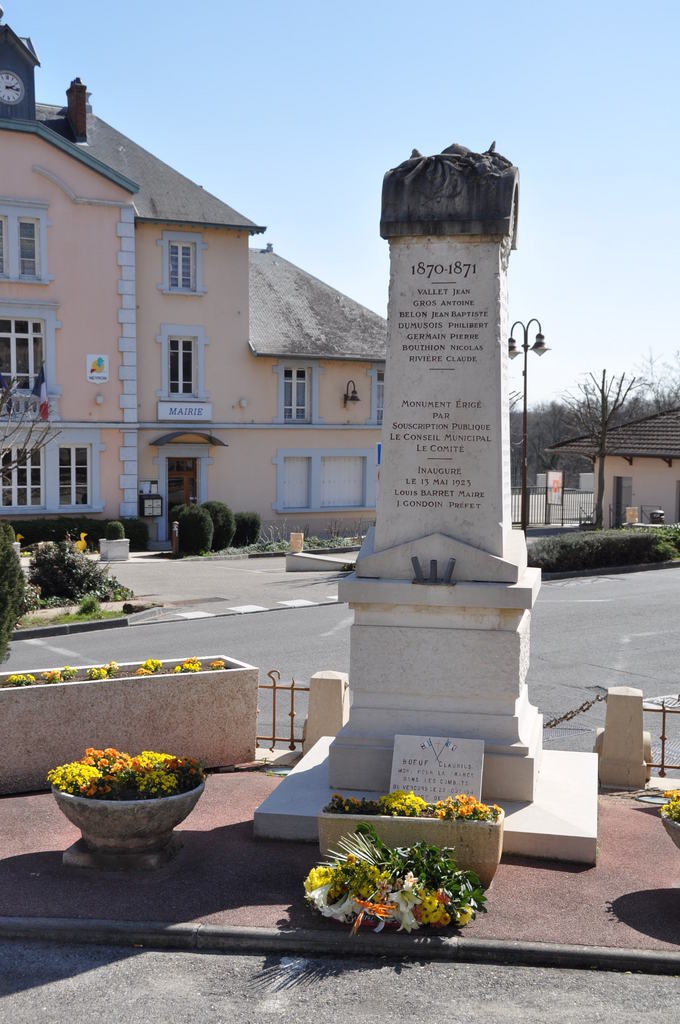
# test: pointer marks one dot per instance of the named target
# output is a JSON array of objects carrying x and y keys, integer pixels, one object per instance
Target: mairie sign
[{"x": 185, "y": 410}]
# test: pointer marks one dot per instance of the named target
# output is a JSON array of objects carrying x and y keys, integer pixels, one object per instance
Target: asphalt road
[
  {"x": 588, "y": 633},
  {"x": 68, "y": 985}
]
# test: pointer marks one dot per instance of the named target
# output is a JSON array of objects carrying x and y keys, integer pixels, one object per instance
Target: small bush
[
  {"x": 60, "y": 570},
  {"x": 223, "y": 524},
  {"x": 11, "y": 592},
  {"x": 7, "y": 533},
  {"x": 90, "y": 605},
  {"x": 600, "y": 550},
  {"x": 137, "y": 532},
  {"x": 248, "y": 526},
  {"x": 114, "y": 530},
  {"x": 31, "y": 599},
  {"x": 195, "y": 530}
]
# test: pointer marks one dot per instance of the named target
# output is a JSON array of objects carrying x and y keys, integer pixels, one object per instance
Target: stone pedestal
[{"x": 445, "y": 661}]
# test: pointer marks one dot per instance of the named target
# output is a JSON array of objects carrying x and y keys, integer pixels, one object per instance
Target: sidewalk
[{"x": 227, "y": 890}]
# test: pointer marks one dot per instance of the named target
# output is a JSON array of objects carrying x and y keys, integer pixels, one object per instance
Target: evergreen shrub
[
  {"x": 248, "y": 526},
  {"x": 224, "y": 524},
  {"x": 60, "y": 570},
  {"x": 600, "y": 549},
  {"x": 195, "y": 530},
  {"x": 114, "y": 530},
  {"x": 11, "y": 590}
]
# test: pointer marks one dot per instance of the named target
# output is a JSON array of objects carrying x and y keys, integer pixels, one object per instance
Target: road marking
[
  {"x": 341, "y": 625},
  {"x": 244, "y": 608},
  {"x": 299, "y": 603},
  {"x": 331, "y": 597},
  {"x": 196, "y": 615},
  {"x": 37, "y": 642}
]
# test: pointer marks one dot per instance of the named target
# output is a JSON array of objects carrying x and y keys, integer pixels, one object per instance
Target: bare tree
[
  {"x": 22, "y": 430},
  {"x": 593, "y": 411}
]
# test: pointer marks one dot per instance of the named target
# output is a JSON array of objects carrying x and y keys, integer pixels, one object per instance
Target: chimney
[{"x": 76, "y": 95}]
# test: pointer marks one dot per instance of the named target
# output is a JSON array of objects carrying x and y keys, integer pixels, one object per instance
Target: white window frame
[
  {"x": 182, "y": 239},
  {"x": 73, "y": 449},
  {"x": 14, "y": 213},
  {"x": 377, "y": 378},
  {"x": 11, "y": 373},
  {"x": 315, "y": 455},
  {"x": 185, "y": 332},
  {"x": 185, "y": 345},
  {"x": 32, "y": 461},
  {"x": 313, "y": 372}
]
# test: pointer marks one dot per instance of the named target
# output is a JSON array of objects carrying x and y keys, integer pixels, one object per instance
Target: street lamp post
[{"x": 539, "y": 347}]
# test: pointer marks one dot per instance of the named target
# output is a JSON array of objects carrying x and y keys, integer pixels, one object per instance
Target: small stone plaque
[{"x": 435, "y": 767}]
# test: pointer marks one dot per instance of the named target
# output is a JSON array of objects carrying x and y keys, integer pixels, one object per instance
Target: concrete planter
[
  {"x": 211, "y": 715},
  {"x": 478, "y": 844},
  {"x": 114, "y": 550},
  {"x": 673, "y": 829},
  {"x": 125, "y": 834}
]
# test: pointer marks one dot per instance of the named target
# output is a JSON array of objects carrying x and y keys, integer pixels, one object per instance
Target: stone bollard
[
  {"x": 624, "y": 748},
  {"x": 328, "y": 706},
  {"x": 296, "y": 542}
]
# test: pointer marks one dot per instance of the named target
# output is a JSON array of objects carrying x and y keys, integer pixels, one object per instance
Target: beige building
[
  {"x": 179, "y": 365},
  {"x": 641, "y": 469}
]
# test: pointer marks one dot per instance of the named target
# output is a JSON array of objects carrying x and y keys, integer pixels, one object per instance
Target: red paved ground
[{"x": 223, "y": 876}]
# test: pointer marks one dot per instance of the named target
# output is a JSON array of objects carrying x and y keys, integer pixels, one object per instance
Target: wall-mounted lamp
[
  {"x": 350, "y": 396},
  {"x": 99, "y": 398}
]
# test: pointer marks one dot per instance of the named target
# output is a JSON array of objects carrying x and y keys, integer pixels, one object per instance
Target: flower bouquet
[{"x": 367, "y": 882}]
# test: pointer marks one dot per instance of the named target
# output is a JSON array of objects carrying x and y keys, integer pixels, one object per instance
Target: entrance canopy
[{"x": 187, "y": 437}]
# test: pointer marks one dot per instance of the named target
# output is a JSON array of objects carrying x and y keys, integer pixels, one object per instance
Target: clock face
[{"x": 11, "y": 88}]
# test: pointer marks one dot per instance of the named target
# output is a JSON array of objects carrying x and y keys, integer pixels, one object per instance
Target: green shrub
[
  {"x": 60, "y": 570},
  {"x": 137, "y": 532},
  {"x": 31, "y": 599},
  {"x": 11, "y": 592},
  {"x": 7, "y": 533},
  {"x": 90, "y": 605},
  {"x": 247, "y": 531},
  {"x": 600, "y": 549},
  {"x": 195, "y": 530},
  {"x": 223, "y": 524},
  {"x": 114, "y": 530}
]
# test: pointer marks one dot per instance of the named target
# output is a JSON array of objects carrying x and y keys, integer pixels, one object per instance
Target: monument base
[
  {"x": 430, "y": 660},
  {"x": 559, "y": 824}
]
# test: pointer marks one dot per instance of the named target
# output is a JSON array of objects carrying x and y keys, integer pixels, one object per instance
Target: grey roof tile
[
  {"x": 164, "y": 194},
  {"x": 656, "y": 436},
  {"x": 294, "y": 314}
]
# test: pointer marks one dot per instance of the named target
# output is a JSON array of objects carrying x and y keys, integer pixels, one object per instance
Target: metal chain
[{"x": 586, "y": 706}]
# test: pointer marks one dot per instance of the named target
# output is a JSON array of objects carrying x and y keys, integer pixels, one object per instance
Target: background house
[
  {"x": 130, "y": 285},
  {"x": 642, "y": 467}
]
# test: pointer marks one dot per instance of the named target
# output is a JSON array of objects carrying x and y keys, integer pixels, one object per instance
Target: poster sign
[
  {"x": 435, "y": 767},
  {"x": 554, "y": 485},
  {"x": 97, "y": 369}
]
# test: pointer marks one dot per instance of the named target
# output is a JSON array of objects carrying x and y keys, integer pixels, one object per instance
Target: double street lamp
[{"x": 539, "y": 347}]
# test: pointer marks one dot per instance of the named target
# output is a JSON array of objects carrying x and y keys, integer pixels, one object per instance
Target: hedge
[{"x": 602, "y": 549}]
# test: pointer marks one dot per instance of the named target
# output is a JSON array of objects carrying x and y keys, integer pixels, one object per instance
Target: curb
[
  {"x": 70, "y": 627},
  {"x": 397, "y": 947}
]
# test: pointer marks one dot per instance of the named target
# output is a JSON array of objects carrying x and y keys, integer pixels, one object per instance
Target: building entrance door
[{"x": 182, "y": 484}]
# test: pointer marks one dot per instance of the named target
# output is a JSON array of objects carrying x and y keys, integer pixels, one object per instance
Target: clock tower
[{"x": 18, "y": 61}]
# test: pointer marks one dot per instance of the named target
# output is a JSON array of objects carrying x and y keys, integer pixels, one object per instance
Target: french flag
[{"x": 40, "y": 391}]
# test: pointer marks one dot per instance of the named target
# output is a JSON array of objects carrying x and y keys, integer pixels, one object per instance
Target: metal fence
[
  {"x": 665, "y": 752},
  {"x": 289, "y": 689},
  {"x": 576, "y": 507}
]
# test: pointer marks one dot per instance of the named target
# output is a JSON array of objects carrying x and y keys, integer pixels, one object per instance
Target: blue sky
[{"x": 291, "y": 111}]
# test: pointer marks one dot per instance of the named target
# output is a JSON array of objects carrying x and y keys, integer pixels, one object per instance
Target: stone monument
[{"x": 442, "y": 595}]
